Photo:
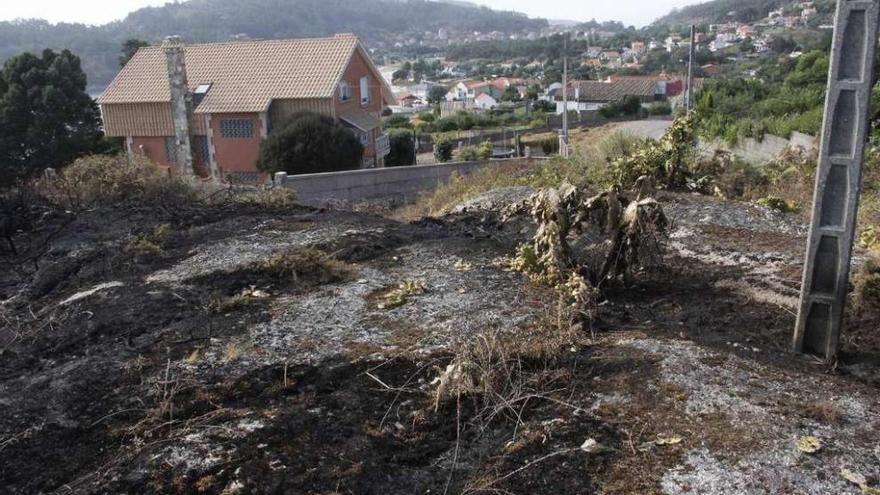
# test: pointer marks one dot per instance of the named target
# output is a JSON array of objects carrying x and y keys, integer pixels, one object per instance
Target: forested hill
[
  {"x": 722, "y": 11},
  {"x": 377, "y": 21}
]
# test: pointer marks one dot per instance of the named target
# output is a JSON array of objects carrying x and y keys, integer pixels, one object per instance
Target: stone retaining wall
[{"x": 754, "y": 151}]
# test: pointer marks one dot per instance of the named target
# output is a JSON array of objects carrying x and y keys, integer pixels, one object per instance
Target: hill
[
  {"x": 379, "y": 22},
  {"x": 722, "y": 11}
]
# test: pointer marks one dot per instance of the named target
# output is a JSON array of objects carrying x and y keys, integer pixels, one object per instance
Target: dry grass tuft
[
  {"x": 504, "y": 373},
  {"x": 268, "y": 197},
  {"x": 307, "y": 267},
  {"x": 823, "y": 412},
  {"x": 150, "y": 244}
]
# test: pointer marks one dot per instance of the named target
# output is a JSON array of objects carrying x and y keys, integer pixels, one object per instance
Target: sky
[{"x": 635, "y": 12}]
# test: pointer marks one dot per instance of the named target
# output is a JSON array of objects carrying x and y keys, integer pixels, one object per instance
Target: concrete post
[
  {"x": 280, "y": 178},
  {"x": 838, "y": 177},
  {"x": 180, "y": 102}
]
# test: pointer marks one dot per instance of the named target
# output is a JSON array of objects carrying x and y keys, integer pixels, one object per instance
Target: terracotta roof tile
[
  {"x": 245, "y": 76},
  {"x": 359, "y": 118},
  {"x": 600, "y": 91}
]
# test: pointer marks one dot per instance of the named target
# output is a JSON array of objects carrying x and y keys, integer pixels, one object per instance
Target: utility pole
[
  {"x": 690, "y": 82},
  {"x": 838, "y": 179},
  {"x": 563, "y": 137}
]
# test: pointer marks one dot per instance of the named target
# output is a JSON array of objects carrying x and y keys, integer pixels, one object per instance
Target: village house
[
  {"x": 469, "y": 91},
  {"x": 205, "y": 108},
  {"x": 593, "y": 95},
  {"x": 485, "y": 101}
]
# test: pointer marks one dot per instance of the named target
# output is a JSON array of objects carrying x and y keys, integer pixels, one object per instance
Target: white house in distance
[{"x": 485, "y": 101}]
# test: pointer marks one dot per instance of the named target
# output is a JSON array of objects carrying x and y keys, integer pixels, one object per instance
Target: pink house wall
[
  {"x": 152, "y": 148},
  {"x": 353, "y": 73},
  {"x": 236, "y": 154}
]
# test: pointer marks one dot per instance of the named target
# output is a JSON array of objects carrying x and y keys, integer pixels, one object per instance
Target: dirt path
[{"x": 166, "y": 381}]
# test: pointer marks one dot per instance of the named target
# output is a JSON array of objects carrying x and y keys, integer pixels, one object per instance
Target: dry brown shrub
[{"x": 103, "y": 179}]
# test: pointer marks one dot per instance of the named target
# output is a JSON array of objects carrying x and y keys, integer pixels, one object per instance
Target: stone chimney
[{"x": 180, "y": 102}]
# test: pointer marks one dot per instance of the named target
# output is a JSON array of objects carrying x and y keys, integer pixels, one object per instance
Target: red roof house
[{"x": 205, "y": 108}]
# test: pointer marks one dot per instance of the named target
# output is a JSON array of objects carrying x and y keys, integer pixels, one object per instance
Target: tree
[
  {"x": 46, "y": 116},
  {"x": 510, "y": 94},
  {"x": 129, "y": 48},
  {"x": 443, "y": 151},
  {"x": 403, "y": 148},
  {"x": 400, "y": 75},
  {"x": 543, "y": 106},
  {"x": 628, "y": 105},
  {"x": 532, "y": 92},
  {"x": 309, "y": 143},
  {"x": 436, "y": 94}
]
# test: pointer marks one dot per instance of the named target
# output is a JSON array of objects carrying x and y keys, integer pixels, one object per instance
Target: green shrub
[
  {"x": 443, "y": 151},
  {"x": 307, "y": 143},
  {"x": 469, "y": 154},
  {"x": 426, "y": 116},
  {"x": 446, "y": 124},
  {"x": 550, "y": 145},
  {"x": 485, "y": 150},
  {"x": 629, "y": 105},
  {"x": 660, "y": 108},
  {"x": 397, "y": 121},
  {"x": 668, "y": 160},
  {"x": 403, "y": 148},
  {"x": 538, "y": 122}
]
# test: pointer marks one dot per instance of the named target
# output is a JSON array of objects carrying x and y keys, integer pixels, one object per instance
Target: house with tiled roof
[
  {"x": 593, "y": 95},
  {"x": 204, "y": 109}
]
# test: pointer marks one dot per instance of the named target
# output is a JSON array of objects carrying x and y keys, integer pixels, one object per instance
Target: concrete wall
[
  {"x": 754, "y": 151},
  {"x": 399, "y": 183}
]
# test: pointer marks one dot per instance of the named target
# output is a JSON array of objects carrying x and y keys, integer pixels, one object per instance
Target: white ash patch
[
  {"x": 768, "y": 473},
  {"x": 494, "y": 200},
  {"x": 709, "y": 388},
  {"x": 760, "y": 398},
  {"x": 697, "y": 210},
  {"x": 321, "y": 323},
  {"x": 763, "y": 280},
  {"x": 464, "y": 294},
  {"x": 196, "y": 452},
  {"x": 87, "y": 293},
  {"x": 235, "y": 253}
]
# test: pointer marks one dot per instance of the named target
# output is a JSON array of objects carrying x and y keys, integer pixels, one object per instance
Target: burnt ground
[{"x": 131, "y": 370}]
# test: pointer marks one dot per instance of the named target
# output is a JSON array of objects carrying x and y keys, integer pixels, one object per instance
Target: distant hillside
[
  {"x": 722, "y": 11},
  {"x": 379, "y": 22}
]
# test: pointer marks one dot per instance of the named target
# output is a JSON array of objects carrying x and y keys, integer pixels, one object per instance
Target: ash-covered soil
[{"x": 186, "y": 369}]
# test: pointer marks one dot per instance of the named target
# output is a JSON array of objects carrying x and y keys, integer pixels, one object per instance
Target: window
[
  {"x": 237, "y": 128},
  {"x": 344, "y": 91},
  {"x": 365, "y": 90},
  {"x": 365, "y": 138},
  {"x": 199, "y": 93}
]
